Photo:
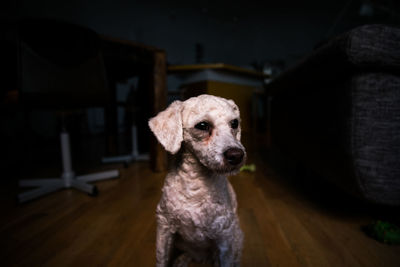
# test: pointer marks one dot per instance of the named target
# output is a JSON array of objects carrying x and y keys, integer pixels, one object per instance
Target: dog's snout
[{"x": 234, "y": 155}]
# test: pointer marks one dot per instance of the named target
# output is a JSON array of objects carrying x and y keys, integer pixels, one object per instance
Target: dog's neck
[
  {"x": 189, "y": 168},
  {"x": 197, "y": 183},
  {"x": 192, "y": 167}
]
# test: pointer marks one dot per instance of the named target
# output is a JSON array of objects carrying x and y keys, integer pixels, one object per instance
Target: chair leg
[
  {"x": 41, "y": 191},
  {"x": 85, "y": 187},
  {"x": 134, "y": 156},
  {"x": 67, "y": 179},
  {"x": 118, "y": 159},
  {"x": 98, "y": 176}
]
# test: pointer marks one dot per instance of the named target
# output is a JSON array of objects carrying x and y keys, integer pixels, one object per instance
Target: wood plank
[
  {"x": 282, "y": 226},
  {"x": 254, "y": 245}
]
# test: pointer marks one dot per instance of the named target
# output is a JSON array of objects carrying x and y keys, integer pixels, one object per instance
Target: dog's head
[{"x": 208, "y": 126}]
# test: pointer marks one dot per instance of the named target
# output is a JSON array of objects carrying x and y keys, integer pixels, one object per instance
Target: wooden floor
[{"x": 285, "y": 224}]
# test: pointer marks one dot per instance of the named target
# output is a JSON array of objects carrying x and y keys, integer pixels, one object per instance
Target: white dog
[{"x": 196, "y": 215}]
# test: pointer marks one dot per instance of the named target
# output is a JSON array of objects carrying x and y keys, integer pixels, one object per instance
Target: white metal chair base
[
  {"x": 125, "y": 158},
  {"x": 67, "y": 179},
  {"x": 134, "y": 156}
]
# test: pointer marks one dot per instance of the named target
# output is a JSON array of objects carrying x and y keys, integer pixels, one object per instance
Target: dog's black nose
[{"x": 234, "y": 155}]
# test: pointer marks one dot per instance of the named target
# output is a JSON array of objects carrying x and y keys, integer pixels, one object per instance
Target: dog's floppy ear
[
  {"x": 167, "y": 127},
  {"x": 236, "y": 108}
]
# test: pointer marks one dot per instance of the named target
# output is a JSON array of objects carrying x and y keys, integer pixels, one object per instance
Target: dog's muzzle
[{"x": 234, "y": 156}]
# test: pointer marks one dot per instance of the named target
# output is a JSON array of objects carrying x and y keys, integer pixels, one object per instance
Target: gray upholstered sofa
[{"x": 337, "y": 112}]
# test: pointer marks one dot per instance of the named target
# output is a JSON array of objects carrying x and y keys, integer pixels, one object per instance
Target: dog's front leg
[
  {"x": 226, "y": 255},
  {"x": 164, "y": 244},
  {"x": 230, "y": 249}
]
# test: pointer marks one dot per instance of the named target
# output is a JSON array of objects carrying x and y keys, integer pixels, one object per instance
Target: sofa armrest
[{"x": 369, "y": 47}]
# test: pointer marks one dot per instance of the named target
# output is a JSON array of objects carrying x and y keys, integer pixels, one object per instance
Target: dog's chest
[{"x": 204, "y": 218}]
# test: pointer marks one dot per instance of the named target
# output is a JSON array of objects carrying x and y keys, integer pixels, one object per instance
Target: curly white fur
[{"x": 197, "y": 214}]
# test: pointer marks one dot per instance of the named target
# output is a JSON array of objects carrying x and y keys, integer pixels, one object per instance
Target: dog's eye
[
  {"x": 234, "y": 124},
  {"x": 204, "y": 126}
]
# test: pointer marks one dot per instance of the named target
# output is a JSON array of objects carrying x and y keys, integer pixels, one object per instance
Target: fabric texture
[
  {"x": 375, "y": 141},
  {"x": 338, "y": 112}
]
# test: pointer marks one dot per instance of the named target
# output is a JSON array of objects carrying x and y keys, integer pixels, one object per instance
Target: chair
[
  {"x": 61, "y": 68},
  {"x": 133, "y": 110}
]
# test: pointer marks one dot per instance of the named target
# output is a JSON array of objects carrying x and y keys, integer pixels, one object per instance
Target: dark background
[
  {"x": 244, "y": 33},
  {"x": 233, "y": 32}
]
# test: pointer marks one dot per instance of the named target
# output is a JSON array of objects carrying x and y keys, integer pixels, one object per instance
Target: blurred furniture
[
  {"x": 132, "y": 116},
  {"x": 60, "y": 68},
  {"x": 125, "y": 59},
  {"x": 337, "y": 112},
  {"x": 228, "y": 81}
]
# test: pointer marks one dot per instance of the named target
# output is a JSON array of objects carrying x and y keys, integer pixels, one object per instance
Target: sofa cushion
[
  {"x": 375, "y": 135},
  {"x": 376, "y": 46}
]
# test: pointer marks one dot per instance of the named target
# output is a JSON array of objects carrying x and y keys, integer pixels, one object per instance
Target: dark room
[{"x": 200, "y": 133}]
